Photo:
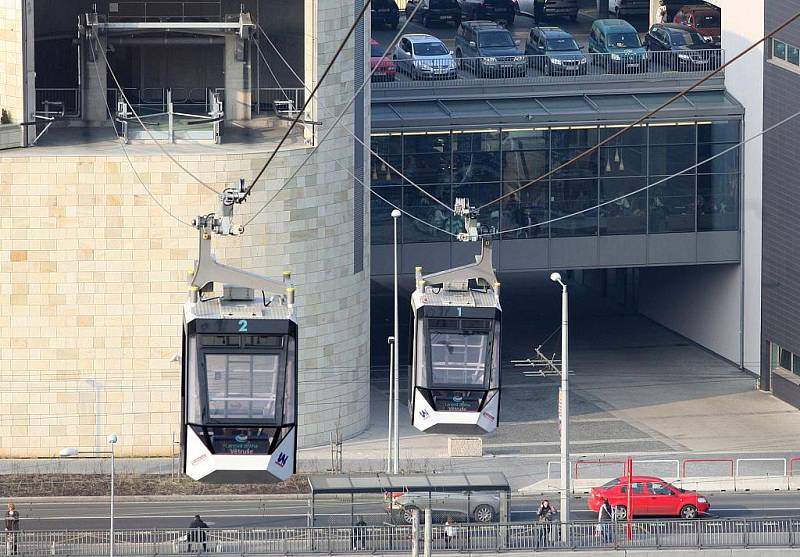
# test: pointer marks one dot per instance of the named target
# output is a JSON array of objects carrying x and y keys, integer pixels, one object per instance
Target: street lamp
[
  {"x": 72, "y": 451},
  {"x": 563, "y": 407},
  {"x": 396, "y": 455}
]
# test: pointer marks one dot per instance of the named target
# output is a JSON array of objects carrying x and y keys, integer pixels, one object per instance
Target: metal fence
[
  {"x": 69, "y": 98},
  {"x": 698, "y": 534},
  {"x": 462, "y": 71},
  {"x": 166, "y": 10}
]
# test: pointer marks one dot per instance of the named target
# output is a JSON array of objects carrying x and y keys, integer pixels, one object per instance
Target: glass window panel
[
  {"x": 793, "y": 55},
  {"x": 571, "y": 196},
  {"x": 458, "y": 358},
  {"x": 719, "y": 132},
  {"x": 476, "y": 167},
  {"x": 633, "y": 136},
  {"x": 387, "y": 144},
  {"x": 426, "y": 143},
  {"x": 623, "y": 161},
  {"x": 672, "y": 134},
  {"x": 585, "y": 167},
  {"x": 476, "y": 141},
  {"x": 627, "y": 215},
  {"x": 727, "y": 163},
  {"x": 573, "y": 138},
  {"x": 669, "y": 159},
  {"x": 524, "y": 165},
  {"x": 785, "y": 359},
  {"x": 525, "y": 208},
  {"x": 717, "y": 202},
  {"x": 526, "y": 139},
  {"x": 779, "y": 49},
  {"x": 774, "y": 351},
  {"x": 796, "y": 364},
  {"x": 428, "y": 168},
  {"x": 382, "y": 172},
  {"x": 424, "y": 208},
  {"x": 672, "y": 205},
  {"x": 382, "y": 225},
  {"x": 478, "y": 194},
  {"x": 242, "y": 386}
]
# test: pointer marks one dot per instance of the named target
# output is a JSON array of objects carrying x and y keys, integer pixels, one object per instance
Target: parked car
[
  {"x": 385, "y": 12},
  {"x": 424, "y": 56},
  {"x": 556, "y": 51},
  {"x": 618, "y": 44},
  {"x": 686, "y": 47},
  {"x": 501, "y": 11},
  {"x": 542, "y": 9},
  {"x": 435, "y": 11},
  {"x": 466, "y": 505},
  {"x": 488, "y": 50},
  {"x": 649, "y": 496},
  {"x": 386, "y": 69},
  {"x": 704, "y": 19},
  {"x": 627, "y": 8}
]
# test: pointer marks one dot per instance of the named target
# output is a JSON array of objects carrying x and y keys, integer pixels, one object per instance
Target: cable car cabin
[
  {"x": 239, "y": 388},
  {"x": 455, "y": 373}
]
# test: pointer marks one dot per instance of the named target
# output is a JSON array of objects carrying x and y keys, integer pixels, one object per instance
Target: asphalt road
[{"x": 262, "y": 512}]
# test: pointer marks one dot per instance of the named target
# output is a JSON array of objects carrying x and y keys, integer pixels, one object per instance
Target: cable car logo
[
  {"x": 458, "y": 398},
  {"x": 424, "y": 414},
  {"x": 241, "y": 438},
  {"x": 282, "y": 459}
]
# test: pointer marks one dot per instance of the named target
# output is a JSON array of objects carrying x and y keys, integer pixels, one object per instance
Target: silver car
[
  {"x": 470, "y": 505},
  {"x": 424, "y": 57}
]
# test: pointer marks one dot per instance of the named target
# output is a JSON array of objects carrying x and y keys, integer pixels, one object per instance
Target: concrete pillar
[
  {"x": 95, "y": 83},
  {"x": 237, "y": 79}
]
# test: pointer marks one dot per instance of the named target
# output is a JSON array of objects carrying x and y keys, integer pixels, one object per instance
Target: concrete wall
[
  {"x": 701, "y": 303},
  {"x": 743, "y": 25}
]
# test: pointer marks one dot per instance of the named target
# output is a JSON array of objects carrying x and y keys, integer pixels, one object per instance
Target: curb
[{"x": 170, "y": 498}]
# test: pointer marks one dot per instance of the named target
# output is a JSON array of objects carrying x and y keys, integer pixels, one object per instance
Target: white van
[{"x": 625, "y": 8}]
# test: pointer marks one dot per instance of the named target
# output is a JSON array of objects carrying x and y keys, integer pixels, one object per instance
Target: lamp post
[
  {"x": 563, "y": 406},
  {"x": 72, "y": 451},
  {"x": 390, "y": 444},
  {"x": 396, "y": 402}
]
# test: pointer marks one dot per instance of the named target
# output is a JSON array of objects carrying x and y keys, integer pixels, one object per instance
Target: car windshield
[
  {"x": 683, "y": 38},
  {"x": 562, "y": 44},
  {"x": 429, "y": 49},
  {"x": 707, "y": 21},
  {"x": 624, "y": 40},
  {"x": 610, "y": 484},
  {"x": 495, "y": 38},
  {"x": 460, "y": 352},
  {"x": 376, "y": 51},
  {"x": 442, "y": 4}
]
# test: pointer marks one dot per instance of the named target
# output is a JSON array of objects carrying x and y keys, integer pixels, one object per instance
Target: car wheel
[
  {"x": 689, "y": 512},
  {"x": 511, "y": 21},
  {"x": 425, "y": 20},
  {"x": 617, "y": 13},
  {"x": 621, "y": 512},
  {"x": 407, "y": 514},
  {"x": 484, "y": 513}
]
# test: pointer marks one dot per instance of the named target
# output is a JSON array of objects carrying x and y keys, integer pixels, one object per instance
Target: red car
[
  {"x": 650, "y": 496},
  {"x": 386, "y": 68},
  {"x": 704, "y": 19}
]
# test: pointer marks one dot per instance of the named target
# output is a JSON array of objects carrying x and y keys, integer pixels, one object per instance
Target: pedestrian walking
[
  {"x": 545, "y": 516},
  {"x": 12, "y": 528},
  {"x": 449, "y": 532},
  {"x": 661, "y": 12},
  {"x": 360, "y": 534},
  {"x": 197, "y": 534},
  {"x": 605, "y": 517}
]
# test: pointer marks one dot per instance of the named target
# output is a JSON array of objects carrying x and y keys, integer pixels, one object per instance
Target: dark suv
[
  {"x": 554, "y": 51},
  {"x": 488, "y": 50},
  {"x": 385, "y": 12},
  {"x": 435, "y": 11},
  {"x": 501, "y": 11}
]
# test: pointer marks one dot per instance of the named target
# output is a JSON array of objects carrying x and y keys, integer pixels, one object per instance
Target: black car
[
  {"x": 488, "y": 50},
  {"x": 554, "y": 51},
  {"x": 385, "y": 12},
  {"x": 435, "y": 11},
  {"x": 680, "y": 47},
  {"x": 501, "y": 11}
]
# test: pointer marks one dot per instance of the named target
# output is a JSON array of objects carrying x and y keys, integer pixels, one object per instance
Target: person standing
[
  {"x": 449, "y": 532},
  {"x": 605, "y": 517},
  {"x": 544, "y": 516},
  {"x": 360, "y": 534},
  {"x": 12, "y": 528},
  {"x": 661, "y": 12},
  {"x": 197, "y": 534}
]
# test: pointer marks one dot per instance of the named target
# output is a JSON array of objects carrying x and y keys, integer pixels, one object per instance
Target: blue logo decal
[
  {"x": 241, "y": 438},
  {"x": 282, "y": 459},
  {"x": 424, "y": 414}
]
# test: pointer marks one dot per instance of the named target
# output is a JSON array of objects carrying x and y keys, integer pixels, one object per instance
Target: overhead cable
[{"x": 647, "y": 116}]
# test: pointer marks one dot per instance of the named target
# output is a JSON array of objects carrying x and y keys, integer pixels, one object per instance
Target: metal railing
[
  {"x": 264, "y": 97},
  {"x": 697, "y": 534},
  {"x": 462, "y": 71},
  {"x": 174, "y": 11},
  {"x": 67, "y": 97}
]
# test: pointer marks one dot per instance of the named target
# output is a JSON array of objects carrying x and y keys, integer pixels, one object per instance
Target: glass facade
[{"x": 483, "y": 164}]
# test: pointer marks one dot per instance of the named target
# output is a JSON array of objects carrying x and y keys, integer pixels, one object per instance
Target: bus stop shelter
[{"x": 345, "y": 500}]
